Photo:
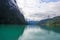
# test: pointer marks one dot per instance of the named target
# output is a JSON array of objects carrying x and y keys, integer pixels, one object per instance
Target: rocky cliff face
[{"x": 9, "y": 13}]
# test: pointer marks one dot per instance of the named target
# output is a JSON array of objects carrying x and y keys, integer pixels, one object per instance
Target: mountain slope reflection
[
  {"x": 51, "y": 28},
  {"x": 11, "y": 32},
  {"x": 32, "y": 32}
]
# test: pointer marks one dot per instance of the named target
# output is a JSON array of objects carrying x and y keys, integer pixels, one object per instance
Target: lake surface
[{"x": 29, "y": 32}]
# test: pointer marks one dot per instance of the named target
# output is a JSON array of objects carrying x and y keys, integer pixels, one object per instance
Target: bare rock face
[{"x": 9, "y": 13}]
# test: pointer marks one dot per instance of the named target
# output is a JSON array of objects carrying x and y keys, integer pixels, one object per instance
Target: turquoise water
[{"x": 29, "y": 32}]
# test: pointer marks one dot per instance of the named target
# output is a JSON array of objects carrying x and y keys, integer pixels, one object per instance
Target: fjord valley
[{"x": 28, "y": 20}]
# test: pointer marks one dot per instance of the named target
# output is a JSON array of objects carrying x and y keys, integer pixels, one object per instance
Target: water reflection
[
  {"x": 11, "y": 32},
  {"x": 39, "y": 33},
  {"x": 52, "y": 28},
  {"x": 29, "y": 32}
]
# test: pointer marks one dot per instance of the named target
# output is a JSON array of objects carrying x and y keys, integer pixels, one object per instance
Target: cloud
[
  {"x": 37, "y": 9},
  {"x": 50, "y": 0}
]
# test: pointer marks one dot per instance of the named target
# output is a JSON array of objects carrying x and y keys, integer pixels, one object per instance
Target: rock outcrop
[{"x": 10, "y": 13}]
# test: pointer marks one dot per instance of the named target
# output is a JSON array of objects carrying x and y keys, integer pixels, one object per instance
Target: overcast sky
[{"x": 39, "y": 9}]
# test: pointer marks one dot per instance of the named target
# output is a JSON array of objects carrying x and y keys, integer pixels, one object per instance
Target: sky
[{"x": 39, "y": 9}]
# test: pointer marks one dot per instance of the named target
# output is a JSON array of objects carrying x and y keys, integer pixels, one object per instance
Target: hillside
[{"x": 51, "y": 22}]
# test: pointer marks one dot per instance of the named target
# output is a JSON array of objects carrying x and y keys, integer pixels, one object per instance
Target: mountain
[
  {"x": 32, "y": 22},
  {"x": 10, "y": 13},
  {"x": 55, "y": 21},
  {"x": 42, "y": 22}
]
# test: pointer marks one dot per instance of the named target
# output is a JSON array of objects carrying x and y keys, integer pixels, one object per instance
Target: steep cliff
[{"x": 9, "y": 13}]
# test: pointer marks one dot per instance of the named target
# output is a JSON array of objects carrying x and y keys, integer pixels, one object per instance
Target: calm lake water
[{"x": 29, "y": 32}]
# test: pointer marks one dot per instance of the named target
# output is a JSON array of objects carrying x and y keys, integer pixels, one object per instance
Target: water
[{"x": 29, "y": 32}]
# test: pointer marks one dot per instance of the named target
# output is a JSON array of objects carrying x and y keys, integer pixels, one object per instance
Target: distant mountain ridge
[{"x": 33, "y": 22}]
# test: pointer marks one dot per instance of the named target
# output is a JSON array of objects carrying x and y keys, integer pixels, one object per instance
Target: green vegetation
[{"x": 51, "y": 22}]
